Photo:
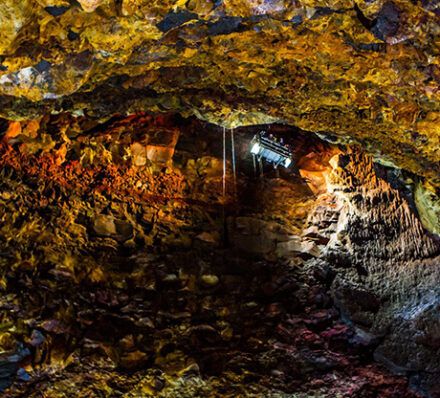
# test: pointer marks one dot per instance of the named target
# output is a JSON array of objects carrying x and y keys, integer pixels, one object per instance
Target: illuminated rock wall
[{"x": 367, "y": 71}]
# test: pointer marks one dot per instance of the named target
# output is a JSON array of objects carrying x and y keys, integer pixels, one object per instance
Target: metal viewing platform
[{"x": 273, "y": 151}]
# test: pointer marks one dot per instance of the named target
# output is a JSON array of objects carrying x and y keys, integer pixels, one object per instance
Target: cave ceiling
[
  {"x": 134, "y": 239},
  {"x": 367, "y": 71}
]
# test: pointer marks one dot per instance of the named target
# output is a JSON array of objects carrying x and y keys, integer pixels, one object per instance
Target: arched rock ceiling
[{"x": 365, "y": 70}]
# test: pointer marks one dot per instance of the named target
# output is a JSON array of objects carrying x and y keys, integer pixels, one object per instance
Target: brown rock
[{"x": 134, "y": 360}]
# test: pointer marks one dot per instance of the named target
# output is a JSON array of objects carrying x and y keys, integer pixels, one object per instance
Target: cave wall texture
[
  {"x": 111, "y": 114},
  {"x": 366, "y": 71},
  {"x": 120, "y": 277}
]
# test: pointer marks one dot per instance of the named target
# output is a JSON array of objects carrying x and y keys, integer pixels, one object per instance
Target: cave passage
[
  {"x": 219, "y": 198},
  {"x": 127, "y": 272}
]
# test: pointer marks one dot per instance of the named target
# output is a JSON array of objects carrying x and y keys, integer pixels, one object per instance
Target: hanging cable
[
  {"x": 234, "y": 171},
  {"x": 224, "y": 162},
  {"x": 255, "y": 165},
  {"x": 225, "y": 228}
]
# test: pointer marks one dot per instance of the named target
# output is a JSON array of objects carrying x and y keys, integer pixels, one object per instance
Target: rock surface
[
  {"x": 131, "y": 280},
  {"x": 363, "y": 70},
  {"x": 386, "y": 266}
]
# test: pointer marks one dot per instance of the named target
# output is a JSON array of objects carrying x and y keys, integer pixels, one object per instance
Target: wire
[
  {"x": 234, "y": 172},
  {"x": 225, "y": 229},
  {"x": 224, "y": 162}
]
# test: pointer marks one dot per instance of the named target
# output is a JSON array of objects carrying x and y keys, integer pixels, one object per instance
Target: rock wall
[
  {"x": 386, "y": 267},
  {"x": 363, "y": 230},
  {"x": 124, "y": 268},
  {"x": 364, "y": 70}
]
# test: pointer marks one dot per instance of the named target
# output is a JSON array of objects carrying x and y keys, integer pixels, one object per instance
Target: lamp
[{"x": 255, "y": 149}]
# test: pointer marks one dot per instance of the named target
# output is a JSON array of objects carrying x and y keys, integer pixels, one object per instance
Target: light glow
[
  {"x": 255, "y": 149},
  {"x": 287, "y": 162}
]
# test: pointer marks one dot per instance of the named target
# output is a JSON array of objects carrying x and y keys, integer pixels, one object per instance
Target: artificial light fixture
[{"x": 255, "y": 149}]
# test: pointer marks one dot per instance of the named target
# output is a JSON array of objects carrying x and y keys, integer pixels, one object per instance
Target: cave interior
[{"x": 149, "y": 249}]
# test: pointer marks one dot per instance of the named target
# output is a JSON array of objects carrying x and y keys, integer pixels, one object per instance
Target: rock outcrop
[
  {"x": 362, "y": 70},
  {"x": 113, "y": 216},
  {"x": 386, "y": 265},
  {"x": 139, "y": 278}
]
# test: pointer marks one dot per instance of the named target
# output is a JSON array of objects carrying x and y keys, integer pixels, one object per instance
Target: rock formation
[
  {"x": 125, "y": 271},
  {"x": 386, "y": 266}
]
